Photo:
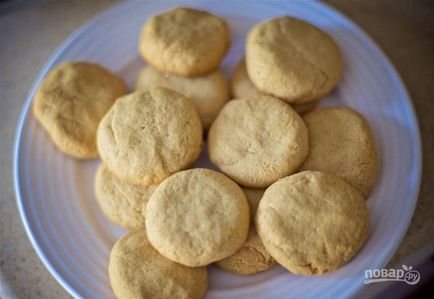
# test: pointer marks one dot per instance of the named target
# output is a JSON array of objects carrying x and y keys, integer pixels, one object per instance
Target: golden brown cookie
[
  {"x": 197, "y": 216},
  {"x": 242, "y": 87},
  {"x": 148, "y": 135},
  {"x": 136, "y": 270},
  {"x": 312, "y": 222},
  {"x": 209, "y": 93},
  {"x": 70, "y": 102},
  {"x": 292, "y": 60},
  {"x": 341, "y": 143},
  {"x": 184, "y": 41},
  {"x": 252, "y": 257},
  {"x": 257, "y": 141},
  {"x": 121, "y": 202}
]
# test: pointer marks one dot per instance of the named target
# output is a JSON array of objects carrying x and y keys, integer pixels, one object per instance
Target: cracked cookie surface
[
  {"x": 197, "y": 216},
  {"x": 252, "y": 257},
  {"x": 341, "y": 143},
  {"x": 123, "y": 203},
  {"x": 312, "y": 222},
  {"x": 257, "y": 141},
  {"x": 148, "y": 135},
  {"x": 292, "y": 60},
  {"x": 71, "y": 101},
  {"x": 136, "y": 270},
  {"x": 184, "y": 41},
  {"x": 209, "y": 93}
]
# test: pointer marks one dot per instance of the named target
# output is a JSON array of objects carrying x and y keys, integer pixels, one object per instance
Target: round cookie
[
  {"x": 70, "y": 102},
  {"x": 252, "y": 257},
  {"x": 209, "y": 93},
  {"x": 148, "y": 135},
  {"x": 312, "y": 222},
  {"x": 184, "y": 41},
  {"x": 257, "y": 141},
  {"x": 122, "y": 203},
  {"x": 292, "y": 60},
  {"x": 341, "y": 143},
  {"x": 136, "y": 270},
  {"x": 253, "y": 197},
  {"x": 196, "y": 217},
  {"x": 242, "y": 87}
]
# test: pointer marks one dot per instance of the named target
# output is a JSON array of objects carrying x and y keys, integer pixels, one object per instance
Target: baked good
[
  {"x": 122, "y": 203},
  {"x": 70, "y": 102},
  {"x": 312, "y": 222},
  {"x": 242, "y": 87},
  {"x": 209, "y": 92},
  {"x": 184, "y": 41},
  {"x": 136, "y": 270},
  {"x": 292, "y": 60},
  {"x": 258, "y": 140},
  {"x": 197, "y": 216},
  {"x": 252, "y": 257},
  {"x": 341, "y": 143},
  {"x": 148, "y": 135}
]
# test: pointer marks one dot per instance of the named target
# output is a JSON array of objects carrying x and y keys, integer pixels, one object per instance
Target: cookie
[
  {"x": 312, "y": 222},
  {"x": 253, "y": 197},
  {"x": 196, "y": 217},
  {"x": 252, "y": 257},
  {"x": 257, "y": 141},
  {"x": 184, "y": 41},
  {"x": 341, "y": 143},
  {"x": 242, "y": 87},
  {"x": 148, "y": 135},
  {"x": 70, "y": 102},
  {"x": 292, "y": 60},
  {"x": 122, "y": 203},
  {"x": 209, "y": 93},
  {"x": 136, "y": 270}
]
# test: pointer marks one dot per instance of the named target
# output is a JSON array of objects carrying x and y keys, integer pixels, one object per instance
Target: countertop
[{"x": 30, "y": 34}]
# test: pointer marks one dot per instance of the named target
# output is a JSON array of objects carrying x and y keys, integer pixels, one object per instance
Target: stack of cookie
[{"x": 290, "y": 190}]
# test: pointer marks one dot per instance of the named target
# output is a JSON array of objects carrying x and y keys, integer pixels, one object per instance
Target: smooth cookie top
[
  {"x": 196, "y": 217},
  {"x": 341, "y": 143},
  {"x": 148, "y": 135},
  {"x": 70, "y": 103},
  {"x": 123, "y": 203},
  {"x": 184, "y": 41},
  {"x": 242, "y": 87},
  {"x": 136, "y": 270},
  {"x": 292, "y": 60},
  {"x": 312, "y": 222},
  {"x": 257, "y": 141},
  {"x": 209, "y": 93}
]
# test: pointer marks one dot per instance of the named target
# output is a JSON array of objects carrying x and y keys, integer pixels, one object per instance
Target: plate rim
[{"x": 24, "y": 114}]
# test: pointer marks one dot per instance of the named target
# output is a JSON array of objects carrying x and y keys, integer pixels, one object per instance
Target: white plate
[{"x": 55, "y": 193}]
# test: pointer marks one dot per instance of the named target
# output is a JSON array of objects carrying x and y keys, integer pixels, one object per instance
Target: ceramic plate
[{"x": 55, "y": 192}]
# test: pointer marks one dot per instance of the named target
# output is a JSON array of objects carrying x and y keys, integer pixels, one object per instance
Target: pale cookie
[
  {"x": 122, "y": 203},
  {"x": 341, "y": 143},
  {"x": 292, "y": 60},
  {"x": 242, "y": 87},
  {"x": 148, "y": 135},
  {"x": 197, "y": 216},
  {"x": 184, "y": 41},
  {"x": 257, "y": 141},
  {"x": 70, "y": 102},
  {"x": 312, "y": 222},
  {"x": 252, "y": 257},
  {"x": 209, "y": 93},
  {"x": 136, "y": 270},
  {"x": 253, "y": 197}
]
